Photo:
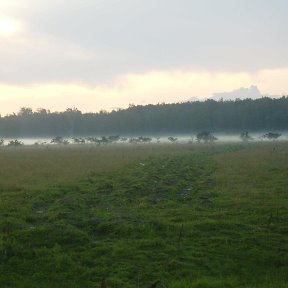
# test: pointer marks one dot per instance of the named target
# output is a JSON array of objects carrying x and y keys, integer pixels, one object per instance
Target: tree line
[{"x": 264, "y": 114}]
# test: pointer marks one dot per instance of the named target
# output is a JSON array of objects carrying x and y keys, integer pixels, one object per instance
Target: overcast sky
[{"x": 95, "y": 54}]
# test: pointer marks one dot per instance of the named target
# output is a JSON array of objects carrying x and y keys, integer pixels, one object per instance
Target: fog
[{"x": 182, "y": 139}]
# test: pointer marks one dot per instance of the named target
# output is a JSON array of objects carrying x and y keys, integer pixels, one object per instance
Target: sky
[{"x": 107, "y": 54}]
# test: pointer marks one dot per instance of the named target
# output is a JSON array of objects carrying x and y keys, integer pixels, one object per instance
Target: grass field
[{"x": 184, "y": 215}]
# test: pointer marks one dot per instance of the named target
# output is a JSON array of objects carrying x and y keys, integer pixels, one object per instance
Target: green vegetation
[
  {"x": 186, "y": 215},
  {"x": 262, "y": 115}
]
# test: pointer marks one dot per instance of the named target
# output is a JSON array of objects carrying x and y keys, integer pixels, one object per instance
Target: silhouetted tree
[
  {"x": 205, "y": 136},
  {"x": 263, "y": 114},
  {"x": 271, "y": 136},
  {"x": 172, "y": 139},
  {"x": 15, "y": 143},
  {"x": 57, "y": 140},
  {"x": 244, "y": 136}
]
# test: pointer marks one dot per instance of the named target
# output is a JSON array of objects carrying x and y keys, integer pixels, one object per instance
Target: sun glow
[{"x": 7, "y": 26}]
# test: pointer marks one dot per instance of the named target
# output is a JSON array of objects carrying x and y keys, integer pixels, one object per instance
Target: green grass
[{"x": 184, "y": 215}]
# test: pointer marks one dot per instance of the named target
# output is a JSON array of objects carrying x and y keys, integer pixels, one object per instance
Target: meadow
[{"x": 179, "y": 215}]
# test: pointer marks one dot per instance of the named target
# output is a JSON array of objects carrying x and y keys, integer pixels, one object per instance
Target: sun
[{"x": 7, "y": 27}]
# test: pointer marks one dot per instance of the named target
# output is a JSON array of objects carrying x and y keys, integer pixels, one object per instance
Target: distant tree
[
  {"x": 79, "y": 140},
  {"x": 91, "y": 139},
  {"x": 206, "y": 137},
  {"x": 104, "y": 140},
  {"x": 144, "y": 139},
  {"x": 140, "y": 140},
  {"x": 245, "y": 137},
  {"x": 209, "y": 115},
  {"x": 73, "y": 110},
  {"x": 15, "y": 143},
  {"x": 57, "y": 140},
  {"x": 173, "y": 139},
  {"x": 134, "y": 140},
  {"x": 271, "y": 136},
  {"x": 1, "y": 142},
  {"x": 42, "y": 111},
  {"x": 113, "y": 139},
  {"x": 192, "y": 140},
  {"x": 37, "y": 143},
  {"x": 24, "y": 111}
]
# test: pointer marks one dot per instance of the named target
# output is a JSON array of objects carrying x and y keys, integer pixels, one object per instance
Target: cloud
[
  {"x": 242, "y": 93},
  {"x": 94, "y": 42},
  {"x": 273, "y": 81},
  {"x": 151, "y": 87},
  {"x": 95, "y": 54}
]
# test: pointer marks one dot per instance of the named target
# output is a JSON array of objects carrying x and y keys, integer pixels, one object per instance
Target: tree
[
  {"x": 79, "y": 140},
  {"x": 192, "y": 140},
  {"x": 42, "y": 111},
  {"x": 92, "y": 140},
  {"x": 113, "y": 139},
  {"x": 24, "y": 111},
  {"x": 15, "y": 143},
  {"x": 160, "y": 119},
  {"x": 57, "y": 140},
  {"x": 134, "y": 140},
  {"x": 140, "y": 140},
  {"x": 206, "y": 137},
  {"x": 172, "y": 139},
  {"x": 145, "y": 139},
  {"x": 271, "y": 136},
  {"x": 245, "y": 137}
]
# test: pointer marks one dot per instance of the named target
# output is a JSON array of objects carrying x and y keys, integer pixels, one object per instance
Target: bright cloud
[
  {"x": 273, "y": 82},
  {"x": 153, "y": 87}
]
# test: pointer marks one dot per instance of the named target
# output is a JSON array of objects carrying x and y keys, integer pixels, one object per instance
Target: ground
[{"x": 185, "y": 215}]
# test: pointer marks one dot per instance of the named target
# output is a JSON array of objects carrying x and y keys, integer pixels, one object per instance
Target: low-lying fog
[{"x": 154, "y": 139}]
